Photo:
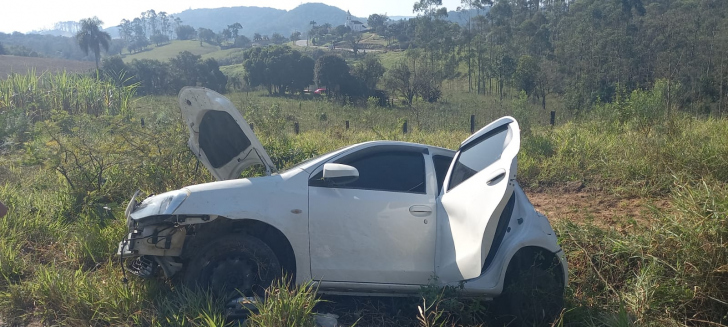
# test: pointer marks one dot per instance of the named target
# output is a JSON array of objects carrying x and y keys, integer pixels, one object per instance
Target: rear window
[{"x": 442, "y": 164}]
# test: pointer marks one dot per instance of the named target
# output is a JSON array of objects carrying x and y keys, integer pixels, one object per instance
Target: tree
[
  {"x": 153, "y": 76},
  {"x": 235, "y": 28},
  {"x": 159, "y": 38},
  {"x": 370, "y": 70},
  {"x": 185, "y": 32},
  {"x": 341, "y": 30},
  {"x": 207, "y": 35},
  {"x": 278, "y": 68},
  {"x": 92, "y": 38},
  {"x": 295, "y": 36},
  {"x": 184, "y": 67},
  {"x": 165, "y": 24},
  {"x": 353, "y": 38},
  {"x": 242, "y": 41},
  {"x": 331, "y": 71},
  {"x": 378, "y": 23},
  {"x": 126, "y": 31},
  {"x": 227, "y": 34},
  {"x": 526, "y": 75},
  {"x": 399, "y": 80},
  {"x": 152, "y": 21},
  {"x": 188, "y": 69},
  {"x": 277, "y": 38},
  {"x": 210, "y": 76},
  {"x": 430, "y": 8}
]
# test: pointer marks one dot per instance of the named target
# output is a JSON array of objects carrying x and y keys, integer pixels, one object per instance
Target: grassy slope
[
  {"x": 171, "y": 50},
  {"x": 221, "y": 54}
]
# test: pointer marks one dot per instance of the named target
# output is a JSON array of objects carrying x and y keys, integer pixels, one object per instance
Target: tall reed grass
[{"x": 26, "y": 99}]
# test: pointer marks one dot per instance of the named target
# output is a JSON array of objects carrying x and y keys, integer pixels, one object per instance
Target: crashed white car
[{"x": 375, "y": 218}]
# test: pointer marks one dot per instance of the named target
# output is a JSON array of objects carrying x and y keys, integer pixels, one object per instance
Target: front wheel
[
  {"x": 533, "y": 295},
  {"x": 233, "y": 266}
]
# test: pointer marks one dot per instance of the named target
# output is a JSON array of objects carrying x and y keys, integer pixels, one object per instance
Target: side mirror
[{"x": 338, "y": 174}]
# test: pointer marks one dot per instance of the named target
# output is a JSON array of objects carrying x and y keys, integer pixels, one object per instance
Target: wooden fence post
[
  {"x": 252, "y": 127},
  {"x": 472, "y": 124},
  {"x": 553, "y": 118},
  {"x": 347, "y": 125},
  {"x": 295, "y": 128},
  {"x": 404, "y": 127}
]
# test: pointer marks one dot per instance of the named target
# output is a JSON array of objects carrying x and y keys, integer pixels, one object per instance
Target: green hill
[
  {"x": 265, "y": 21},
  {"x": 172, "y": 49}
]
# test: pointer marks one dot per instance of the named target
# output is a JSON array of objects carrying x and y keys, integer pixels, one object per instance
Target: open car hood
[{"x": 219, "y": 135}]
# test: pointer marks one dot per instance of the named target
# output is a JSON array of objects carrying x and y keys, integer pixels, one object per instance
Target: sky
[{"x": 29, "y": 15}]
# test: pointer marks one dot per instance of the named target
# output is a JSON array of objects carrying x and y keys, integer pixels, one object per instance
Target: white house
[{"x": 354, "y": 25}]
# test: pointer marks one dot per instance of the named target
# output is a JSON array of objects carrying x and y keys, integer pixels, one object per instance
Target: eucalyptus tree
[
  {"x": 235, "y": 28},
  {"x": 165, "y": 24},
  {"x": 92, "y": 38}
]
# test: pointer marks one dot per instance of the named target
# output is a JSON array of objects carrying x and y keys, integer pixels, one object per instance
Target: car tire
[
  {"x": 233, "y": 266},
  {"x": 533, "y": 295}
]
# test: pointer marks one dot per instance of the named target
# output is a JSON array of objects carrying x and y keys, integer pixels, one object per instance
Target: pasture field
[
  {"x": 171, "y": 50},
  {"x": 640, "y": 203},
  {"x": 23, "y": 65}
]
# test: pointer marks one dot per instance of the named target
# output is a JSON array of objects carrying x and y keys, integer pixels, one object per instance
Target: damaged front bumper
[{"x": 156, "y": 235}]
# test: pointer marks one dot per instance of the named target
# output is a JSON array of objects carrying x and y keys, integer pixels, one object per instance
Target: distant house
[{"x": 354, "y": 25}]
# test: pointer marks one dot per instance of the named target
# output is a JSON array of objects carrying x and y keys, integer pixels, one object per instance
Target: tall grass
[
  {"x": 34, "y": 98},
  {"x": 671, "y": 272},
  {"x": 286, "y": 305},
  {"x": 66, "y": 175}
]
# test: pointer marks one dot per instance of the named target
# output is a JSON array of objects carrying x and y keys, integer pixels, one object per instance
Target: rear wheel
[
  {"x": 533, "y": 294},
  {"x": 233, "y": 266}
]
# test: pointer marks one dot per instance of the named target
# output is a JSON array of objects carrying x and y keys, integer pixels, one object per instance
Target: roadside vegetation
[
  {"x": 67, "y": 171},
  {"x": 639, "y": 106}
]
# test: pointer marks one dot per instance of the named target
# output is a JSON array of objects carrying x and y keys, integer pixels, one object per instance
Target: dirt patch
[
  {"x": 21, "y": 65},
  {"x": 582, "y": 205}
]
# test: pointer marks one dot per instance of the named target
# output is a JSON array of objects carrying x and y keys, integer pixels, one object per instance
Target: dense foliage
[
  {"x": 279, "y": 69},
  {"x": 156, "y": 77}
]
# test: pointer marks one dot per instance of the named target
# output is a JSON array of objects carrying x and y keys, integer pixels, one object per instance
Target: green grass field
[{"x": 171, "y": 50}]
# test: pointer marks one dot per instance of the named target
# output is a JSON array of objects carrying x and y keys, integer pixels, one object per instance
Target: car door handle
[
  {"x": 419, "y": 210},
  {"x": 496, "y": 176}
]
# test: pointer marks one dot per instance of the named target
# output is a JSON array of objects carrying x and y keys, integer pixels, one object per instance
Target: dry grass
[{"x": 22, "y": 65}]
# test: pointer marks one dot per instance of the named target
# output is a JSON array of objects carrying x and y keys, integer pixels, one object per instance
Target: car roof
[{"x": 313, "y": 163}]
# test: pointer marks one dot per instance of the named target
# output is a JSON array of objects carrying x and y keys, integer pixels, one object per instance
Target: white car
[{"x": 375, "y": 218}]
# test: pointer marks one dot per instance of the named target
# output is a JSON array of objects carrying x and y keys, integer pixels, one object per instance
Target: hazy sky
[{"x": 27, "y": 15}]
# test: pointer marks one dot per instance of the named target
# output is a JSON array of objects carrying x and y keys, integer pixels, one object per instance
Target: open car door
[
  {"x": 219, "y": 135},
  {"x": 476, "y": 190}
]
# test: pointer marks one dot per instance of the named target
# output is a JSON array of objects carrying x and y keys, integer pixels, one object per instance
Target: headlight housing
[{"x": 162, "y": 204}]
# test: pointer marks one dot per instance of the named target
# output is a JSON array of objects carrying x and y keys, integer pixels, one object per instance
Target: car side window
[
  {"x": 442, "y": 164},
  {"x": 393, "y": 171},
  {"x": 478, "y": 155}
]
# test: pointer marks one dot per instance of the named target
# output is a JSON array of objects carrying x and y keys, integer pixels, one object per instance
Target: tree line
[
  {"x": 586, "y": 51},
  {"x": 165, "y": 78}
]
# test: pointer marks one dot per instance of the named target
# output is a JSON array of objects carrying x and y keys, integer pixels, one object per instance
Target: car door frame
[
  {"x": 464, "y": 241},
  {"x": 431, "y": 191}
]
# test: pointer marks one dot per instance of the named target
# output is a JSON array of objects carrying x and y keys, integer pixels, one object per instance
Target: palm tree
[{"x": 91, "y": 37}]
